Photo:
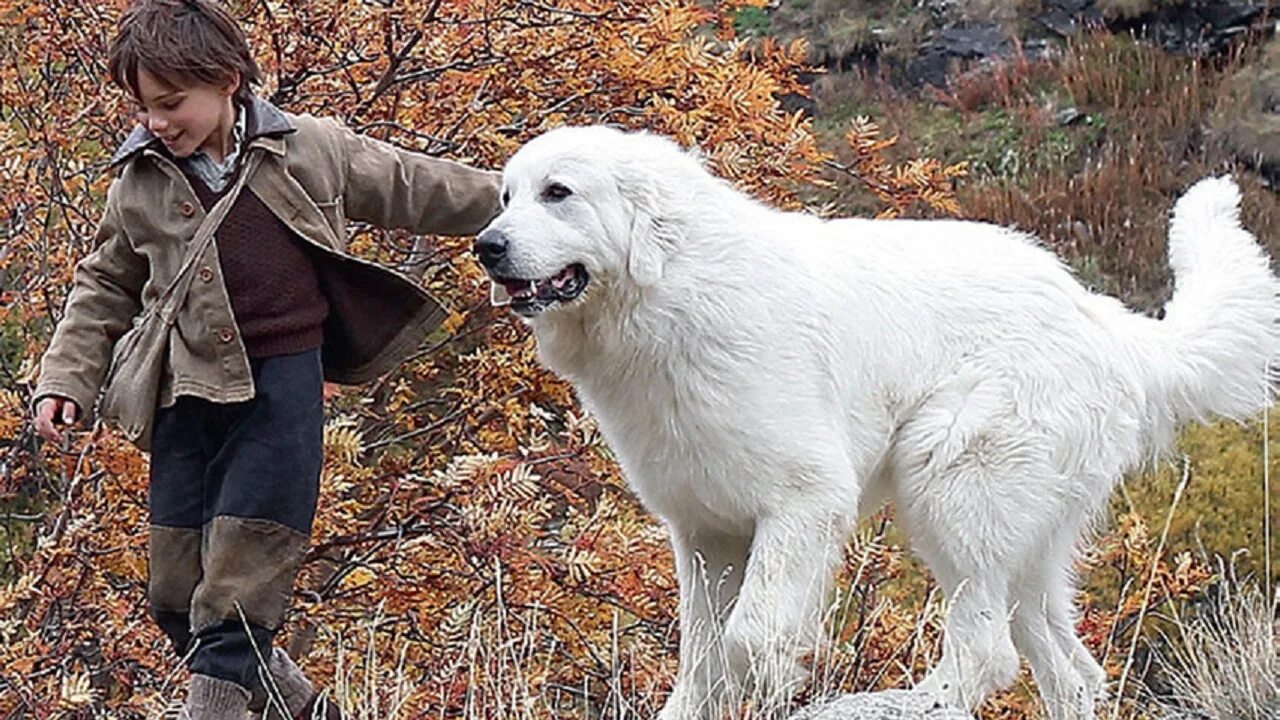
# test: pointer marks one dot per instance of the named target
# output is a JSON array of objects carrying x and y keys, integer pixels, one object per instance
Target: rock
[
  {"x": 952, "y": 43},
  {"x": 928, "y": 69},
  {"x": 1068, "y": 116},
  {"x": 1073, "y": 7},
  {"x": 1195, "y": 28},
  {"x": 972, "y": 41},
  {"x": 886, "y": 705},
  {"x": 1068, "y": 17},
  {"x": 1247, "y": 122},
  {"x": 1198, "y": 27},
  {"x": 945, "y": 35},
  {"x": 795, "y": 102}
]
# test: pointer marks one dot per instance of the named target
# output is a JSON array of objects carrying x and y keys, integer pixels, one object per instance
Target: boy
[{"x": 275, "y": 307}]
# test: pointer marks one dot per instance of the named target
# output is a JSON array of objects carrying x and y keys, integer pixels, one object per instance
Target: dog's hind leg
[
  {"x": 978, "y": 654},
  {"x": 1061, "y": 615},
  {"x": 709, "y": 568},
  {"x": 1090, "y": 670},
  {"x": 971, "y": 492},
  {"x": 1070, "y": 680},
  {"x": 1036, "y": 631}
]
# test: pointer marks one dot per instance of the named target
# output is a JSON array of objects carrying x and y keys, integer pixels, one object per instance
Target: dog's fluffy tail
[{"x": 1219, "y": 336}]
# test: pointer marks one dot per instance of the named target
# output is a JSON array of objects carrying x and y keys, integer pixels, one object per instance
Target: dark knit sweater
[{"x": 275, "y": 292}]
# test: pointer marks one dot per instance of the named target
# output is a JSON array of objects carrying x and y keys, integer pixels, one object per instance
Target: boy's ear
[{"x": 232, "y": 84}]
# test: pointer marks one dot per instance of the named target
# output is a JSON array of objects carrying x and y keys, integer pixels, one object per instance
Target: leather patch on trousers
[{"x": 250, "y": 562}]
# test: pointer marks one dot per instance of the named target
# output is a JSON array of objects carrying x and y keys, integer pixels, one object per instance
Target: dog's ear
[{"x": 652, "y": 238}]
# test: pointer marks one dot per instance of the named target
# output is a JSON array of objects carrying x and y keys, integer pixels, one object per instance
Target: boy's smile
[{"x": 188, "y": 118}]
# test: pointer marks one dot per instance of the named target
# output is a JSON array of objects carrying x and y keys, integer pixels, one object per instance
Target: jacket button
[
  {"x": 187, "y": 209},
  {"x": 206, "y": 274},
  {"x": 226, "y": 335}
]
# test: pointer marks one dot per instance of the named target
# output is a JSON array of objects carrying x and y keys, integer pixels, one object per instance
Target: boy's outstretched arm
[
  {"x": 104, "y": 299},
  {"x": 394, "y": 188}
]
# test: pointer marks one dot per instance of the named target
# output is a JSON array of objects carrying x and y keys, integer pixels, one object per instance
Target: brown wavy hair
[{"x": 182, "y": 42}]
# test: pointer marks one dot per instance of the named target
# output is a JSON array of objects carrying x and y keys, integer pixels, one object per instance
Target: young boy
[{"x": 275, "y": 307}]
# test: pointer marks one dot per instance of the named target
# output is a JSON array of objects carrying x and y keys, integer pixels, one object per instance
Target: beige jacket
[{"x": 315, "y": 175}]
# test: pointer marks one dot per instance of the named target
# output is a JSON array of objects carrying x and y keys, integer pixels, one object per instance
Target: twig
[
  {"x": 1151, "y": 581},
  {"x": 853, "y": 173},
  {"x": 1269, "y": 583}
]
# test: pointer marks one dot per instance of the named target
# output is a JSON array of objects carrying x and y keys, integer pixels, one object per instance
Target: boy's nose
[{"x": 155, "y": 124}]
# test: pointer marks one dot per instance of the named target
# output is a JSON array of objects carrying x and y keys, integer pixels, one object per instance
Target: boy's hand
[{"x": 52, "y": 411}]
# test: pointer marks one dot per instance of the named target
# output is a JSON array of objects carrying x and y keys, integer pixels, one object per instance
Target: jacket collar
[{"x": 265, "y": 124}]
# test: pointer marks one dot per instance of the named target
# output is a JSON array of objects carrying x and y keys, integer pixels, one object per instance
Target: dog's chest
[{"x": 680, "y": 444}]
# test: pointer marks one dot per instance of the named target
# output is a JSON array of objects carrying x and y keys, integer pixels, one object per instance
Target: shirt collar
[{"x": 261, "y": 119}]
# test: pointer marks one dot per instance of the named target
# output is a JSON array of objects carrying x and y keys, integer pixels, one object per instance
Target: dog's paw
[
  {"x": 764, "y": 661},
  {"x": 745, "y": 646},
  {"x": 673, "y": 712},
  {"x": 682, "y": 704},
  {"x": 942, "y": 690}
]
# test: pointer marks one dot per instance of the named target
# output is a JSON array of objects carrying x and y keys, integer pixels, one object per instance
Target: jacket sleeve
[
  {"x": 104, "y": 299},
  {"x": 394, "y": 188}
]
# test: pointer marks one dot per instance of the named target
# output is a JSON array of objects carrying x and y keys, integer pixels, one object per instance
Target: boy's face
[{"x": 187, "y": 118}]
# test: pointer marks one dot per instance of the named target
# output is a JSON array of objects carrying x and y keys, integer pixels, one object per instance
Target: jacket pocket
[{"x": 335, "y": 217}]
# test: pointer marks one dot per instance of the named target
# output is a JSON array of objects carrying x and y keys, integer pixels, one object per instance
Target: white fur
[{"x": 763, "y": 376}]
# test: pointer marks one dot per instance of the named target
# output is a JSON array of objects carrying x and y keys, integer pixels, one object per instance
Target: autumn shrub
[{"x": 464, "y": 496}]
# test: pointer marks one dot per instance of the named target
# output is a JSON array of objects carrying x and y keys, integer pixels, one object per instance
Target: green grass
[
  {"x": 751, "y": 22},
  {"x": 1222, "y": 511}
]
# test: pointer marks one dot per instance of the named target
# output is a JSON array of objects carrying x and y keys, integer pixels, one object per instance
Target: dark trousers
[{"x": 233, "y": 494}]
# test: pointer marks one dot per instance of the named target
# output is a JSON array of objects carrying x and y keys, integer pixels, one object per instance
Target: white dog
[{"x": 763, "y": 376}]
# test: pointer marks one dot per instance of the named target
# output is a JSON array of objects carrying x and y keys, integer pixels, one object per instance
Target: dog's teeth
[{"x": 498, "y": 295}]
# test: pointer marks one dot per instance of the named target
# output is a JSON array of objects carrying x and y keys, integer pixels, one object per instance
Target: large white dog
[{"x": 764, "y": 376}]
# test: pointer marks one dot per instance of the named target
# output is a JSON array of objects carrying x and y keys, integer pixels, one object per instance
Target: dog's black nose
[{"x": 491, "y": 247}]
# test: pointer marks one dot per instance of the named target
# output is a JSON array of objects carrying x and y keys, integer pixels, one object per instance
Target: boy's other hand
[{"x": 53, "y": 411}]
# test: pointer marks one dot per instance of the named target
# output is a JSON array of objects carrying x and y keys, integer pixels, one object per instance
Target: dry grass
[
  {"x": 838, "y": 29},
  {"x": 1224, "y": 663},
  {"x": 1097, "y": 190},
  {"x": 503, "y": 679},
  {"x": 1128, "y": 9},
  {"x": 1105, "y": 208}
]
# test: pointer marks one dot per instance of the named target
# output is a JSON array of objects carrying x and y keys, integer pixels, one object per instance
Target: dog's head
[{"x": 584, "y": 209}]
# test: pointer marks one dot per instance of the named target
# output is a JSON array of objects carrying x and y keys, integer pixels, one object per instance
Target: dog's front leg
[
  {"x": 709, "y": 568},
  {"x": 777, "y": 617}
]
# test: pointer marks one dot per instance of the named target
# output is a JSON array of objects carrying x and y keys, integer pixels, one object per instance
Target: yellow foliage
[{"x": 899, "y": 186}]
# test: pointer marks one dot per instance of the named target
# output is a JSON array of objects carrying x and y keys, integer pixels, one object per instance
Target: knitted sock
[
  {"x": 295, "y": 689},
  {"x": 211, "y": 698}
]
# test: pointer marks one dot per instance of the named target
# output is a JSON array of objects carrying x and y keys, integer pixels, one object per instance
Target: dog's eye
[
  {"x": 555, "y": 192},
  {"x": 506, "y": 198}
]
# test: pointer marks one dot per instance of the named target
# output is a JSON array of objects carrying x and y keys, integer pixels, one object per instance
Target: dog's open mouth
[{"x": 530, "y": 297}]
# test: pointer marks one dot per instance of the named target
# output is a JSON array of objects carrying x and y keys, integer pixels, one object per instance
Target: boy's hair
[{"x": 183, "y": 41}]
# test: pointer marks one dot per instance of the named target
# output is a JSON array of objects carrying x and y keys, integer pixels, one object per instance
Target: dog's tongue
[
  {"x": 503, "y": 292},
  {"x": 563, "y": 277}
]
